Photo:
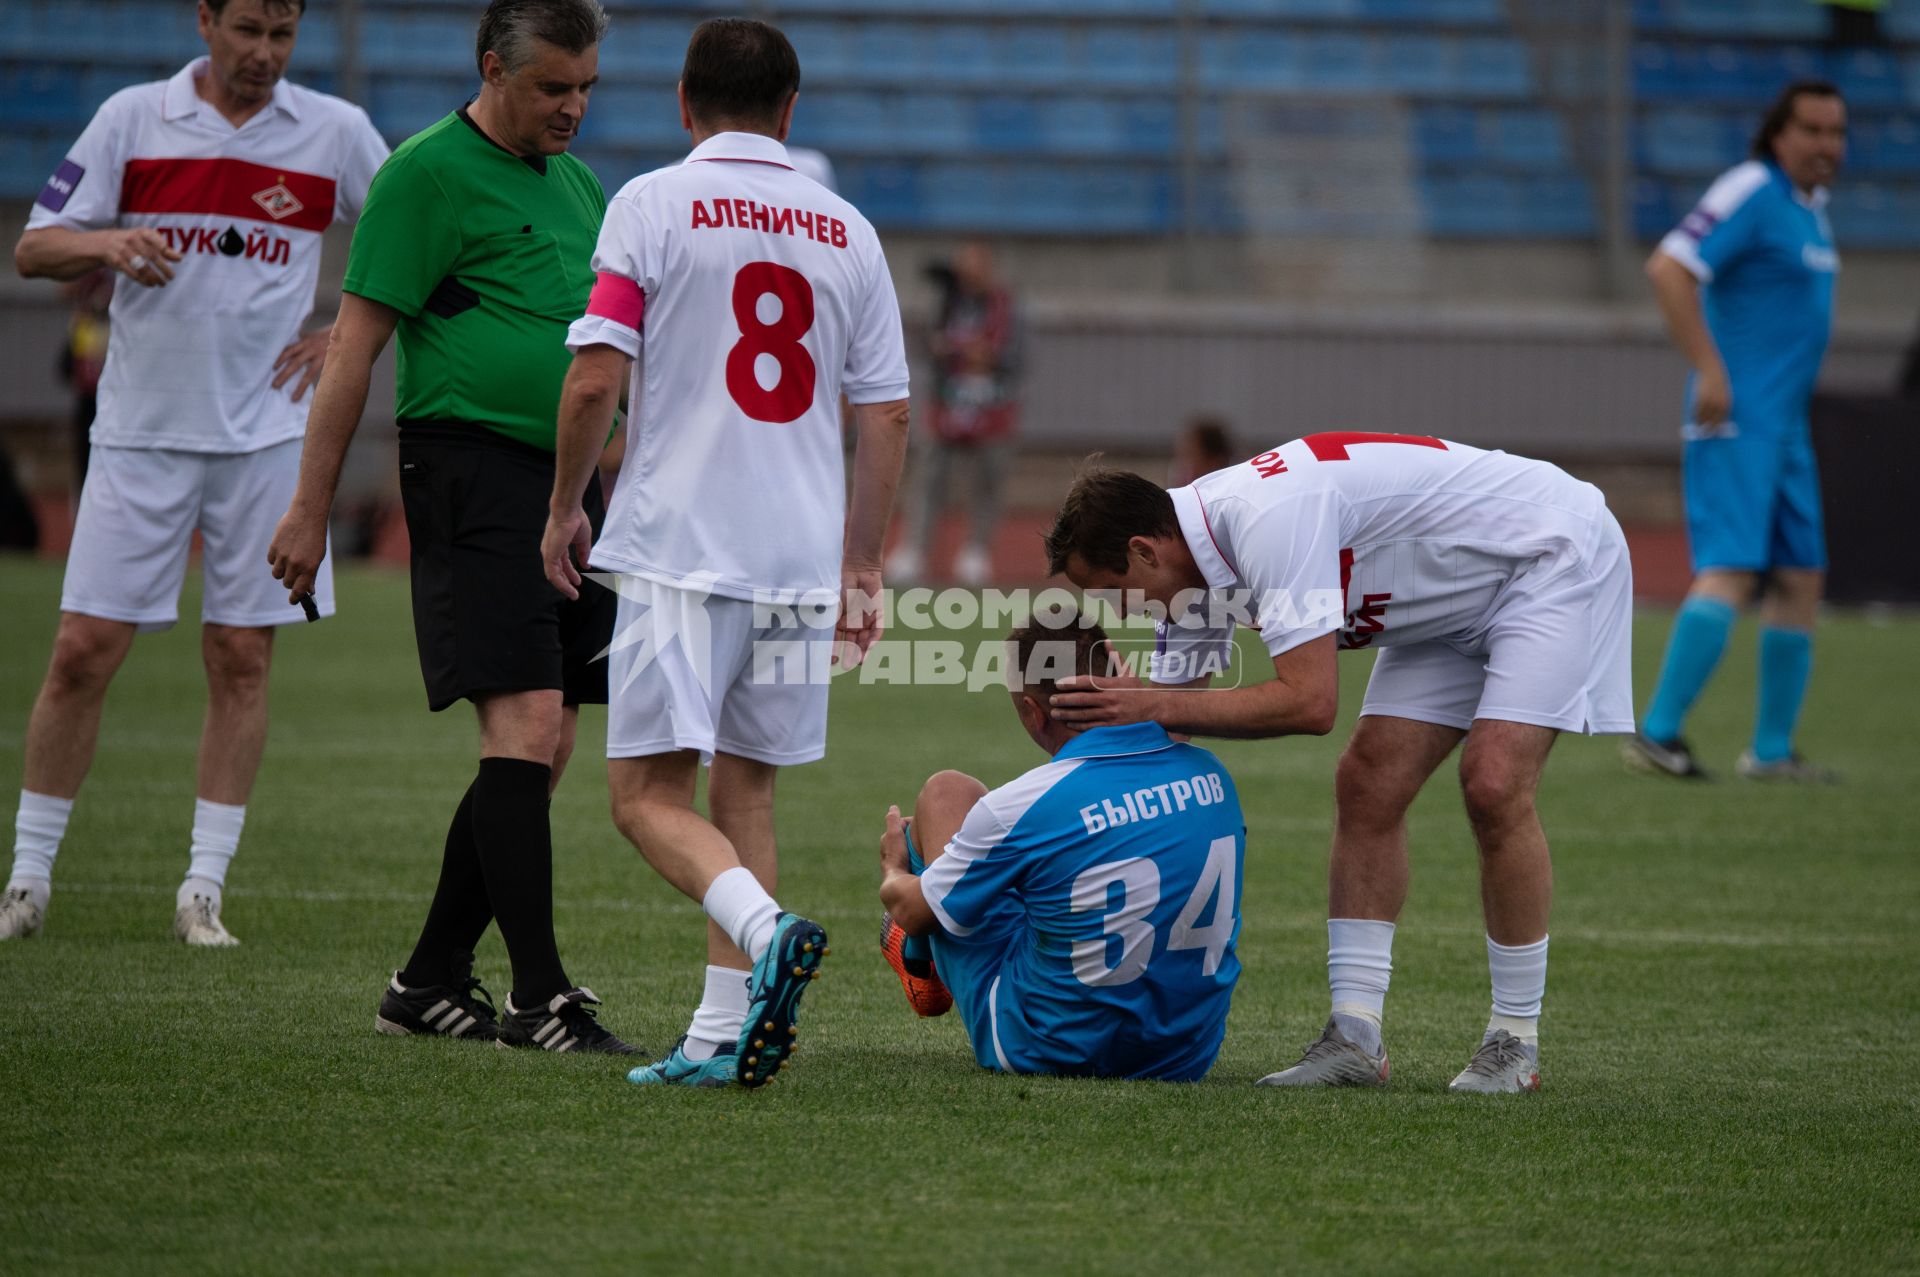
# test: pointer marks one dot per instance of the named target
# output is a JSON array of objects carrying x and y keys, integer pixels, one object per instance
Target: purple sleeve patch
[{"x": 60, "y": 186}]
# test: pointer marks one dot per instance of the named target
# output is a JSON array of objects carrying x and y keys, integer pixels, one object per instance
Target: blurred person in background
[
  {"x": 1204, "y": 446},
  {"x": 1745, "y": 283},
  {"x": 84, "y": 357},
  {"x": 977, "y": 349},
  {"x": 205, "y": 195},
  {"x": 474, "y": 250}
]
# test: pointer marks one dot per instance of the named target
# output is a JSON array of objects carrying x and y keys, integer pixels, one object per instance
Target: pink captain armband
[{"x": 617, "y": 298}]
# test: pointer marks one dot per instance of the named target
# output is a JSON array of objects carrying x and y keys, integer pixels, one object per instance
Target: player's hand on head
[
  {"x": 142, "y": 254},
  {"x": 1084, "y": 701},
  {"x": 298, "y": 546},
  {"x": 564, "y": 550},
  {"x": 859, "y": 625},
  {"x": 305, "y": 357}
]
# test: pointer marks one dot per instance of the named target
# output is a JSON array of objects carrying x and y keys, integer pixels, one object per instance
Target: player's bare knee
[
  {"x": 237, "y": 659},
  {"x": 948, "y": 791},
  {"x": 1497, "y": 797},
  {"x": 1368, "y": 791},
  {"x": 84, "y": 658}
]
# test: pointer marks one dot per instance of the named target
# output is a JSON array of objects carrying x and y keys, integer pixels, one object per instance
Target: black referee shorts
[{"x": 484, "y": 615}]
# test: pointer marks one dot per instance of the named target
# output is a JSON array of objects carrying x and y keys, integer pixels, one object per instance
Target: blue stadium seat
[
  {"x": 42, "y": 96},
  {"x": 1676, "y": 142},
  {"x": 1082, "y": 126},
  {"x": 1416, "y": 63},
  {"x": 1491, "y": 67},
  {"x": 1255, "y": 59},
  {"x": 1007, "y": 124},
  {"x": 965, "y": 54},
  {"x": 1653, "y": 209},
  {"x": 825, "y": 50},
  {"x": 1151, "y": 126},
  {"x": 27, "y": 160},
  {"x": 847, "y": 120},
  {"x": 1529, "y": 139},
  {"x": 1450, "y": 13},
  {"x": 319, "y": 42},
  {"x": 960, "y": 196},
  {"x": 1877, "y": 215},
  {"x": 1129, "y": 57},
  {"x": 417, "y": 41},
  {"x": 1037, "y": 55},
  {"x": 402, "y": 104},
  {"x": 1913, "y": 80},
  {"x": 1888, "y": 145},
  {"x": 1469, "y": 205},
  {"x": 1869, "y": 78},
  {"x": 892, "y": 53},
  {"x": 935, "y": 124},
  {"x": 888, "y": 193},
  {"x": 633, "y": 115},
  {"x": 99, "y": 83},
  {"x": 651, "y": 47},
  {"x": 1446, "y": 135},
  {"x": 1336, "y": 63}
]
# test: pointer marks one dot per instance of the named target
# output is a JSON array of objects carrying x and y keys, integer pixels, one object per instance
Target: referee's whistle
[{"x": 308, "y": 606}]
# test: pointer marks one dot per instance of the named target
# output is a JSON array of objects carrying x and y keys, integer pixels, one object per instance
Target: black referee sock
[
  {"x": 459, "y": 913},
  {"x": 515, "y": 843}
]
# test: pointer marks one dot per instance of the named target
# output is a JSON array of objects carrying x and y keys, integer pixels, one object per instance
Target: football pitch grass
[{"x": 1729, "y": 1040}]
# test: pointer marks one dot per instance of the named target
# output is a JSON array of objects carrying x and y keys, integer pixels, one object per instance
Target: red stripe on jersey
[
  {"x": 228, "y": 188},
  {"x": 617, "y": 298}
]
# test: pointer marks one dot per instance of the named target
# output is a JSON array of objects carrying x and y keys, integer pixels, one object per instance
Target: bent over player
[
  {"x": 1498, "y": 592},
  {"x": 758, "y": 296},
  {"x": 207, "y": 194},
  {"x": 1084, "y": 915}
]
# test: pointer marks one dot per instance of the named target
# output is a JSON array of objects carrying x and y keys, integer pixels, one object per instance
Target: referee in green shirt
[{"x": 476, "y": 246}]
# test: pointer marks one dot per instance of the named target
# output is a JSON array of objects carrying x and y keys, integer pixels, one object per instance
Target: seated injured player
[{"x": 1084, "y": 915}]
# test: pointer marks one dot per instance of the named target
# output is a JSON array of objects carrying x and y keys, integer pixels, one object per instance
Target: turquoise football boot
[
  {"x": 678, "y": 1070},
  {"x": 790, "y": 964}
]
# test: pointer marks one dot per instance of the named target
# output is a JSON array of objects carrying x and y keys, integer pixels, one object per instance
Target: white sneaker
[
  {"x": 198, "y": 923},
  {"x": 972, "y": 567},
  {"x": 20, "y": 915},
  {"x": 1503, "y": 1065},
  {"x": 904, "y": 565}
]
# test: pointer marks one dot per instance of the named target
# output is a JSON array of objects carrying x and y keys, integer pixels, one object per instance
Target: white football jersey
[
  {"x": 190, "y": 365},
  {"x": 759, "y": 296},
  {"x": 1384, "y": 538}
]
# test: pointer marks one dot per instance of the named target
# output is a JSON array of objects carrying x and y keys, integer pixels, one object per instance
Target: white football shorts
[
  {"x": 1557, "y": 651},
  {"x": 692, "y": 670},
  {"x": 138, "y": 513}
]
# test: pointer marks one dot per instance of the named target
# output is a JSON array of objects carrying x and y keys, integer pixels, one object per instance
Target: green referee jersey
[{"x": 488, "y": 257}]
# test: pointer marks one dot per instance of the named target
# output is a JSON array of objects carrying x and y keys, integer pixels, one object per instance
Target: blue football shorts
[{"x": 1753, "y": 502}]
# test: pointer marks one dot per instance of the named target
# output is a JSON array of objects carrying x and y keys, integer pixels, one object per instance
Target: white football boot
[
  {"x": 1503, "y": 1065},
  {"x": 198, "y": 924},
  {"x": 20, "y": 915}
]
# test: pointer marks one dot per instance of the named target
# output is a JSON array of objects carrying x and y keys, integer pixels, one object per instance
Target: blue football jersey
[
  {"x": 1093, "y": 906},
  {"x": 1764, "y": 252}
]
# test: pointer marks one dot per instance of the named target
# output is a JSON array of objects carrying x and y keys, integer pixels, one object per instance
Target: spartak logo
[{"x": 278, "y": 201}]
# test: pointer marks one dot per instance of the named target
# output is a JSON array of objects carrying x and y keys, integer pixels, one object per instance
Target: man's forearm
[
  {"x": 879, "y": 453},
  {"x": 338, "y": 402},
  {"x": 1678, "y": 294},
  {"x": 587, "y": 406},
  {"x": 1243, "y": 713},
  {"x": 55, "y": 252},
  {"x": 906, "y": 902}
]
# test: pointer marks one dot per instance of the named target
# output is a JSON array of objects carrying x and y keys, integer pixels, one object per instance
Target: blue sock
[
  {"x": 916, "y": 948},
  {"x": 1786, "y": 661},
  {"x": 1699, "y": 636}
]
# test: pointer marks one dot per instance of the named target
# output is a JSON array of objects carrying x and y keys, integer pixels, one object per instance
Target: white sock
[
  {"x": 1519, "y": 983},
  {"x": 1359, "y": 965},
  {"x": 216, "y": 836},
  {"x": 37, "y": 830},
  {"x": 741, "y": 907},
  {"x": 721, "y": 1015}
]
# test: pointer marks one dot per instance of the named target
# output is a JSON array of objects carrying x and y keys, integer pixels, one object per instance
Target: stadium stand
[{"x": 1000, "y": 116}]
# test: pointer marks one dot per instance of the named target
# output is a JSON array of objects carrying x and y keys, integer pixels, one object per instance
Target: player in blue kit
[
  {"x": 1746, "y": 285},
  {"x": 1083, "y": 916}
]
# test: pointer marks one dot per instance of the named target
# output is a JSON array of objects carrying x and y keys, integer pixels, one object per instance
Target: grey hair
[{"x": 509, "y": 28}]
